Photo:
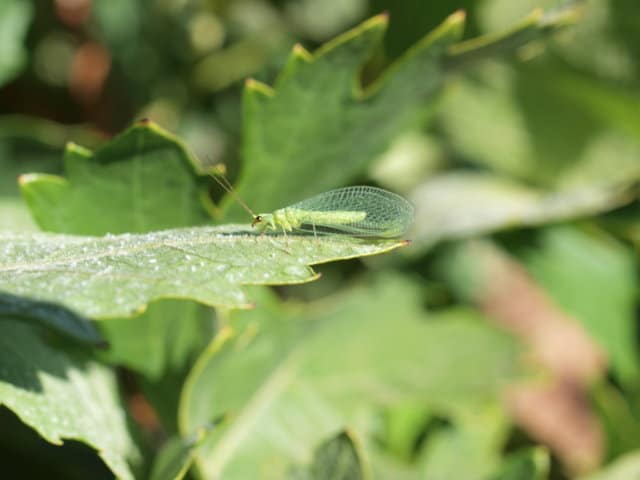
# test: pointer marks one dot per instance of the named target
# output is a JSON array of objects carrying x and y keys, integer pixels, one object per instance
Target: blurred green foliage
[{"x": 501, "y": 344}]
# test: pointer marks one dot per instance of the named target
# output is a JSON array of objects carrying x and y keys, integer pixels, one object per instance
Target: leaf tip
[
  {"x": 383, "y": 16},
  {"x": 379, "y": 21},
  {"x": 254, "y": 86},
  {"x": 74, "y": 148},
  {"x": 25, "y": 178},
  {"x": 299, "y": 51},
  {"x": 457, "y": 17},
  {"x": 147, "y": 123}
]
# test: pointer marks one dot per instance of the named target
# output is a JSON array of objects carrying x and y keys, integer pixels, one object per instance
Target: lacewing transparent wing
[{"x": 360, "y": 211}]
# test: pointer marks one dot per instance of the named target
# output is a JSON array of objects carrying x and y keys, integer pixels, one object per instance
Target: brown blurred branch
[{"x": 556, "y": 410}]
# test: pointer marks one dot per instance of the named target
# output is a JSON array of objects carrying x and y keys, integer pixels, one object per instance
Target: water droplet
[{"x": 296, "y": 270}]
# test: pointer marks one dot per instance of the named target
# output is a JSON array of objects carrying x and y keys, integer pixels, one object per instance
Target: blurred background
[
  {"x": 84, "y": 70},
  {"x": 536, "y": 155}
]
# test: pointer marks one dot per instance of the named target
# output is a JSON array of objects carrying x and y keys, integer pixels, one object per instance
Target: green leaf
[
  {"x": 15, "y": 16},
  {"x": 530, "y": 464},
  {"x": 144, "y": 179},
  {"x": 475, "y": 434},
  {"x": 625, "y": 467},
  {"x": 14, "y": 216},
  {"x": 50, "y": 316},
  {"x": 528, "y": 137},
  {"x": 160, "y": 344},
  {"x": 387, "y": 466},
  {"x": 307, "y": 372},
  {"x": 339, "y": 458},
  {"x": 63, "y": 396},
  {"x": 282, "y": 149},
  {"x": 618, "y": 414},
  {"x": 26, "y": 144},
  {"x": 403, "y": 428},
  {"x": 462, "y": 204},
  {"x": 161, "y": 340},
  {"x": 593, "y": 278},
  {"x": 176, "y": 456},
  {"x": 609, "y": 28},
  {"x": 117, "y": 275}
]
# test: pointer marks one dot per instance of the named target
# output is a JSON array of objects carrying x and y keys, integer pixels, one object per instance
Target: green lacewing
[{"x": 360, "y": 211}]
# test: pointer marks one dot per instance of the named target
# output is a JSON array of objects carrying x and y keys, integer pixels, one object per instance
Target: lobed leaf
[
  {"x": 144, "y": 179},
  {"x": 117, "y": 275},
  {"x": 319, "y": 114},
  {"x": 527, "y": 137},
  {"x": 307, "y": 373},
  {"x": 63, "y": 396}
]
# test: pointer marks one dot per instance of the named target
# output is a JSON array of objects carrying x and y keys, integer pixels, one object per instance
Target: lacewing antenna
[{"x": 221, "y": 180}]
